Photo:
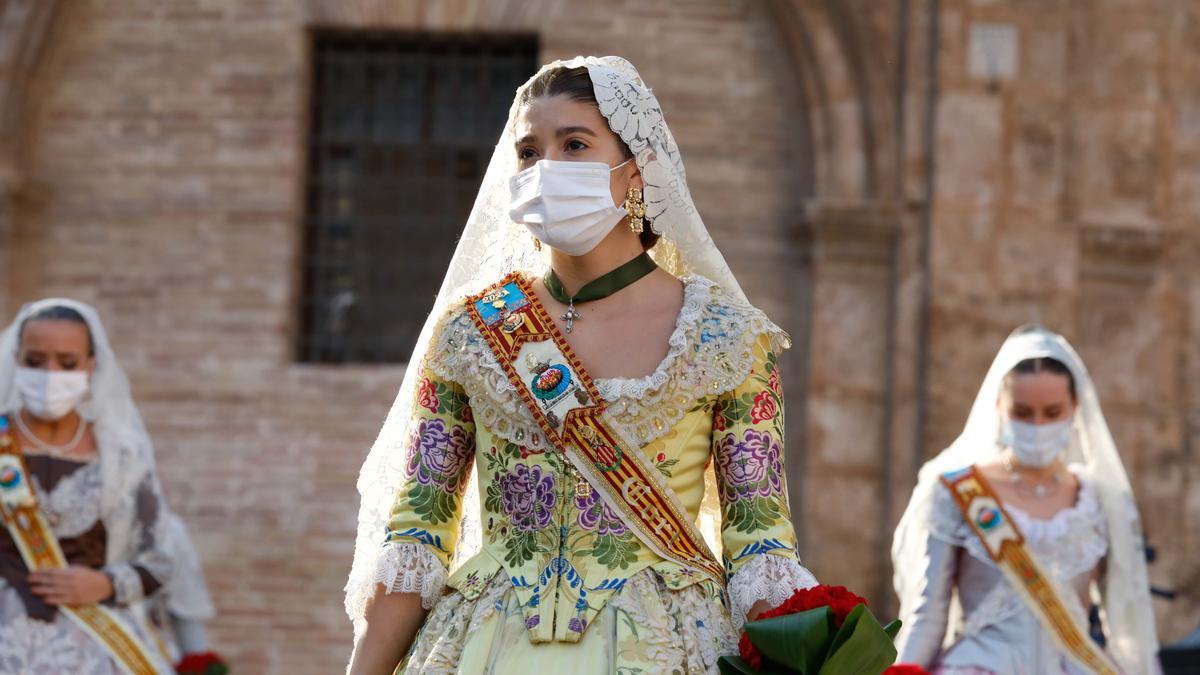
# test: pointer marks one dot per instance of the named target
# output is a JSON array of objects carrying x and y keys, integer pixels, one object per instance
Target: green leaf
[
  {"x": 736, "y": 409},
  {"x": 493, "y": 502},
  {"x": 751, "y": 515},
  {"x": 860, "y": 647},
  {"x": 665, "y": 466},
  {"x": 735, "y": 665},
  {"x": 432, "y": 503},
  {"x": 521, "y": 547},
  {"x": 893, "y": 628},
  {"x": 795, "y": 641},
  {"x": 450, "y": 400},
  {"x": 614, "y": 551}
]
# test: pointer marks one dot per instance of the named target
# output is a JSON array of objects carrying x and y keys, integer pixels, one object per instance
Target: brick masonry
[{"x": 159, "y": 174}]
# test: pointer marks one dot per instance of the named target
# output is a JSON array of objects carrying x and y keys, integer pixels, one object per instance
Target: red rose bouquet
[
  {"x": 204, "y": 663},
  {"x": 824, "y": 630}
]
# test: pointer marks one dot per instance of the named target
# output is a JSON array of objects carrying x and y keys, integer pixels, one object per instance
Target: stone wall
[
  {"x": 163, "y": 183},
  {"x": 1064, "y": 196},
  {"x": 159, "y": 175}
]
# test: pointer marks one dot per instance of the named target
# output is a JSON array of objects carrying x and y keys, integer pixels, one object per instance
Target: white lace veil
[
  {"x": 126, "y": 455},
  {"x": 1128, "y": 616},
  {"x": 493, "y": 245}
]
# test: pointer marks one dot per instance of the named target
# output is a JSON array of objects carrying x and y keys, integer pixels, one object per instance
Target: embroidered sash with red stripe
[
  {"x": 22, "y": 517},
  {"x": 567, "y": 406},
  {"x": 984, "y": 512}
]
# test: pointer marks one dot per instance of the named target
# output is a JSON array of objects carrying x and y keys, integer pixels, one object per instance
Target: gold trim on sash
[
  {"x": 39, "y": 549},
  {"x": 567, "y": 406},
  {"x": 985, "y": 513}
]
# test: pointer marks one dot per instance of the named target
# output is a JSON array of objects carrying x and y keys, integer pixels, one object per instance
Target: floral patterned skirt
[{"x": 644, "y": 628}]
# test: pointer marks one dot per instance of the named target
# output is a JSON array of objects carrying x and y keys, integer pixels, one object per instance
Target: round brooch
[
  {"x": 10, "y": 477},
  {"x": 988, "y": 518},
  {"x": 512, "y": 322},
  {"x": 551, "y": 382}
]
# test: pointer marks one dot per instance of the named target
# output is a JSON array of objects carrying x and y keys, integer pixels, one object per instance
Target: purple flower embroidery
[
  {"x": 437, "y": 455},
  {"x": 594, "y": 514},
  {"x": 527, "y": 496},
  {"x": 576, "y": 624},
  {"x": 753, "y": 465},
  {"x": 532, "y": 622}
]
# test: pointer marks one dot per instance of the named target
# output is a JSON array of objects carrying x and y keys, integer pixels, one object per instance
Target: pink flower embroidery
[
  {"x": 764, "y": 408},
  {"x": 426, "y": 396},
  {"x": 774, "y": 382}
]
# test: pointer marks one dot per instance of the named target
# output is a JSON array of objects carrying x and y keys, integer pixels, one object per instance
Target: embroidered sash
[
  {"x": 984, "y": 512},
  {"x": 39, "y": 548},
  {"x": 564, "y": 400}
]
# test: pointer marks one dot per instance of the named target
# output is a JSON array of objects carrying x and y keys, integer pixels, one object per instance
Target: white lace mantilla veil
[
  {"x": 126, "y": 455},
  {"x": 492, "y": 245},
  {"x": 1128, "y": 616}
]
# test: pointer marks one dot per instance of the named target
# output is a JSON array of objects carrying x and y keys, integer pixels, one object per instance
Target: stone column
[
  {"x": 848, "y": 444},
  {"x": 1132, "y": 335}
]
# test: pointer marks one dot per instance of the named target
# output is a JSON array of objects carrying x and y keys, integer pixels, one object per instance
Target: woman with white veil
[
  {"x": 83, "y": 537},
  {"x": 1019, "y": 524},
  {"x": 590, "y": 374}
]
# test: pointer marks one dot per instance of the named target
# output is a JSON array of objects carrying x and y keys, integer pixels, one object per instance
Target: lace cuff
[
  {"x": 773, "y": 578},
  {"x": 410, "y": 568},
  {"x": 126, "y": 583}
]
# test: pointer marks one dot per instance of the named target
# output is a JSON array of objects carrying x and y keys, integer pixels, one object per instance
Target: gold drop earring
[{"x": 636, "y": 208}]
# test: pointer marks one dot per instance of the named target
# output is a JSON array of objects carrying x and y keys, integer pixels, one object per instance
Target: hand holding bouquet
[{"x": 823, "y": 630}]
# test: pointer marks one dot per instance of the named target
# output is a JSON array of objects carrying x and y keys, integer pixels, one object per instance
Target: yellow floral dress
[{"x": 561, "y": 583}]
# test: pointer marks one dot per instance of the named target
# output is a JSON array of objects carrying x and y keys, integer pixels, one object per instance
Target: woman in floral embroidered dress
[{"x": 524, "y": 566}]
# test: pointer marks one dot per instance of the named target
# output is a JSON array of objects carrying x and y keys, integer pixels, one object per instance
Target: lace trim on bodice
[
  {"x": 1073, "y": 541},
  {"x": 73, "y": 506},
  {"x": 1068, "y": 545},
  {"x": 709, "y": 353}
]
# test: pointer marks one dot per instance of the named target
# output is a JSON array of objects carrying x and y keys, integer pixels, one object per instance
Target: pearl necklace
[
  {"x": 50, "y": 448},
  {"x": 1039, "y": 490}
]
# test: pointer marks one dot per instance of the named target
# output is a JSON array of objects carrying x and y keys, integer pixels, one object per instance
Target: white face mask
[
  {"x": 1036, "y": 444},
  {"x": 49, "y": 395},
  {"x": 567, "y": 205}
]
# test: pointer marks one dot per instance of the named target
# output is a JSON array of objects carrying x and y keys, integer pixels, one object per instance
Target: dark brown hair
[
  {"x": 576, "y": 84},
  {"x": 1042, "y": 364},
  {"x": 58, "y": 313}
]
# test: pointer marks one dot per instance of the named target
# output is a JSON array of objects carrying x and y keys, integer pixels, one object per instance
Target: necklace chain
[
  {"x": 599, "y": 288},
  {"x": 50, "y": 448},
  {"x": 1038, "y": 490}
]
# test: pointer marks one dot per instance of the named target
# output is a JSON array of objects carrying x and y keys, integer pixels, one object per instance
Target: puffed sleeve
[
  {"x": 758, "y": 540},
  {"x": 424, "y": 519},
  {"x": 926, "y": 615}
]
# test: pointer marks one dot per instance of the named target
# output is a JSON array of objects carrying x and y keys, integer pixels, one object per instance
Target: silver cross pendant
[{"x": 570, "y": 315}]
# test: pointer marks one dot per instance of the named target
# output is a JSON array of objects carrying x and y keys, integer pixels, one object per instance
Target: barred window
[{"x": 402, "y": 129}]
